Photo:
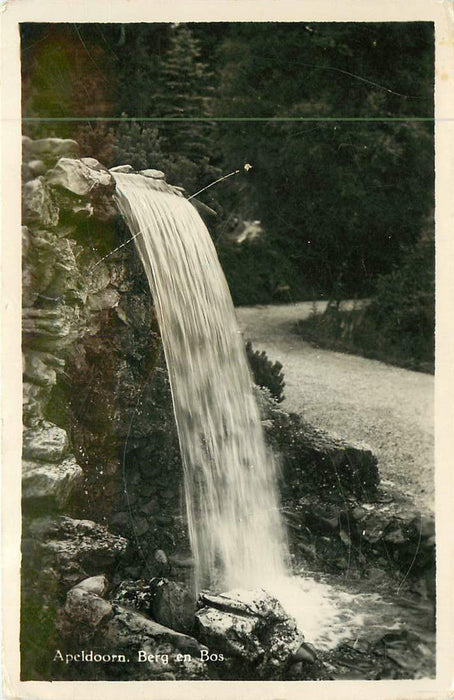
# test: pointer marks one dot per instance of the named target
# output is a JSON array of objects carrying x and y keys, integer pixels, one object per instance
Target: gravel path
[{"x": 389, "y": 408}]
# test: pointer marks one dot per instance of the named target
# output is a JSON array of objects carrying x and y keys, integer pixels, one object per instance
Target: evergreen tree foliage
[
  {"x": 184, "y": 91},
  {"x": 342, "y": 203},
  {"x": 266, "y": 373}
]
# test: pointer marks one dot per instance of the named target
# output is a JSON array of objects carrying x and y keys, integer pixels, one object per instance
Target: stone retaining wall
[{"x": 101, "y": 469}]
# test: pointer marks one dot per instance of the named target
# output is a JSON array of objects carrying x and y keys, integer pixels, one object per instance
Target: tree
[
  {"x": 341, "y": 201},
  {"x": 185, "y": 92}
]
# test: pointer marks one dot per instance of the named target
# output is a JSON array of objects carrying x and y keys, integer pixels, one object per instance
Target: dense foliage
[
  {"x": 397, "y": 326},
  {"x": 336, "y": 119}
]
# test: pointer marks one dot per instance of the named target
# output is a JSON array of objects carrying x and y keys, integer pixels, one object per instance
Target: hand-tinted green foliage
[{"x": 266, "y": 374}]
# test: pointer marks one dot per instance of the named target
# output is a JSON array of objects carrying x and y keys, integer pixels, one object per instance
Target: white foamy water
[
  {"x": 327, "y": 616},
  {"x": 235, "y": 528}
]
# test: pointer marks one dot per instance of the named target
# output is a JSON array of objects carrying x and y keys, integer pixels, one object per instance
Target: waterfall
[{"x": 235, "y": 527}]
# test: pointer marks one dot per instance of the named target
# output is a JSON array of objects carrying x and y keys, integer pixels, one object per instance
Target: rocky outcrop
[
  {"x": 72, "y": 549},
  {"x": 82, "y": 318},
  {"x": 151, "y": 650},
  {"x": 371, "y": 541},
  {"x": 250, "y": 626},
  {"x": 47, "y": 151},
  {"x": 47, "y": 485}
]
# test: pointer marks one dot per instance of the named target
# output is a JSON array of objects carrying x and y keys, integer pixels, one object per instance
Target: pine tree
[{"x": 185, "y": 92}]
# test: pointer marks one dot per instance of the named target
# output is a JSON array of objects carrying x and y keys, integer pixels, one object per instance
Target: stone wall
[{"x": 101, "y": 466}]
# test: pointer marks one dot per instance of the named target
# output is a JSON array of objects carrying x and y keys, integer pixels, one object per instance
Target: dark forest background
[{"x": 344, "y": 198}]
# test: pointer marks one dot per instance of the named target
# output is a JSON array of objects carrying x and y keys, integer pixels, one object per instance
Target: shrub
[
  {"x": 397, "y": 326},
  {"x": 266, "y": 373}
]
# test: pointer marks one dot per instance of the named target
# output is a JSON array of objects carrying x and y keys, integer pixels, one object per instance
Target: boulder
[
  {"x": 35, "y": 399},
  {"x": 173, "y": 605},
  {"x": 94, "y": 164},
  {"x": 155, "y": 174},
  {"x": 229, "y": 633},
  {"x": 37, "y": 167},
  {"x": 48, "y": 482},
  {"x": 94, "y": 584},
  {"x": 105, "y": 299},
  {"x": 122, "y": 169},
  {"x": 247, "y": 602},
  {"x": 155, "y": 652},
  {"x": 48, "y": 150},
  {"x": 47, "y": 443},
  {"x": 37, "y": 205},
  {"x": 52, "y": 330},
  {"x": 136, "y": 594},
  {"x": 251, "y": 626},
  {"x": 87, "y": 609},
  {"x": 128, "y": 626},
  {"x": 78, "y": 177},
  {"x": 36, "y": 370},
  {"x": 75, "y": 549}
]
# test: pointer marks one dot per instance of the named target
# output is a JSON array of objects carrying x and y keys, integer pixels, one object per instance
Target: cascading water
[
  {"x": 235, "y": 528},
  {"x": 232, "y": 503}
]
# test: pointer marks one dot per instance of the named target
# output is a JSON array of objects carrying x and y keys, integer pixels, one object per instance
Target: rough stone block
[
  {"x": 56, "y": 483},
  {"x": 86, "y": 608},
  {"x": 37, "y": 206},
  {"x": 174, "y": 606},
  {"x": 94, "y": 584},
  {"x": 78, "y": 177},
  {"x": 46, "y": 443},
  {"x": 49, "y": 150}
]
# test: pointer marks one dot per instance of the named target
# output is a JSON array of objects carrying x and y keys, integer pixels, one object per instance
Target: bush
[
  {"x": 397, "y": 326},
  {"x": 266, "y": 374}
]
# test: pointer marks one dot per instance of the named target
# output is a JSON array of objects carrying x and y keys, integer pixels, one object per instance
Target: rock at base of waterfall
[
  {"x": 87, "y": 609},
  {"x": 47, "y": 443},
  {"x": 173, "y": 605},
  {"x": 156, "y": 652},
  {"x": 229, "y": 633},
  {"x": 306, "y": 653},
  {"x": 94, "y": 584},
  {"x": 51, "y": 483},
  {"x": 135, "y": 593},
  {"x": 251, "y": 626}
]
